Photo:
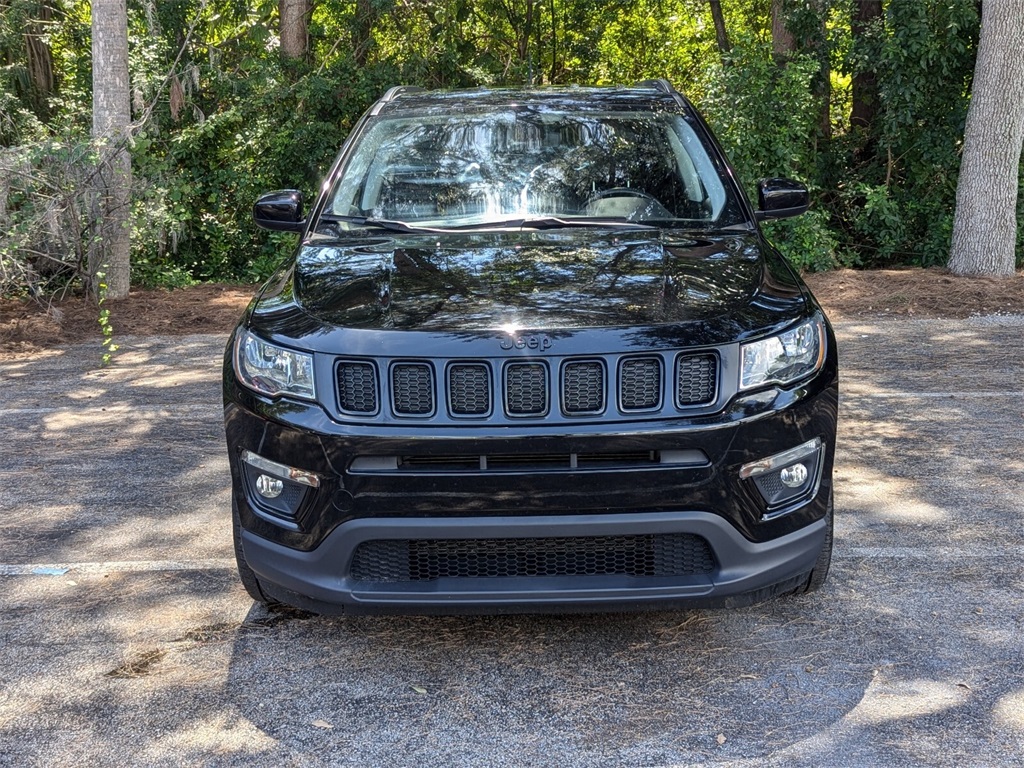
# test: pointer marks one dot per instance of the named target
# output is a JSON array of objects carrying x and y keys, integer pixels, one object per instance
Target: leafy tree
[{"x": 864, "y": 101}]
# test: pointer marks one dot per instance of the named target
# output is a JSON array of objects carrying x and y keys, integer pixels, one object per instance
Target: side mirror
[
  {"x": 280, "y": 211},
  {"x": 780, "y": 199}
]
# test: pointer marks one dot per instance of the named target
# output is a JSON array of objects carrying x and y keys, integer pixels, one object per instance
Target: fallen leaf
[
  {"x": 321, "y": 724},
  {"x": 720, "y": 738},
  {"x": 419, "y": 689}
]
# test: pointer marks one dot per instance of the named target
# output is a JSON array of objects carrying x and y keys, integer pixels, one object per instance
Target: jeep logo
[{"x": 541, "y": 342}]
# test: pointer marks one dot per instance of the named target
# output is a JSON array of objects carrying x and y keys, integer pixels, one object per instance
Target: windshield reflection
[{"x": 528, "y": 162}]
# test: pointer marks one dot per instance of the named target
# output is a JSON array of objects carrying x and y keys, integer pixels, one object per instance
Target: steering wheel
[{"x": 622, "y": 192}]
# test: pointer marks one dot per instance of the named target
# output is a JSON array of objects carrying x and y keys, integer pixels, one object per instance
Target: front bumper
[
  {"x": 746, "y": 571},
  {"x": 758, "y": 551}
]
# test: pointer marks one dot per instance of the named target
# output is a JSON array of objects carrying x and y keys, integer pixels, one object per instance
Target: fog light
[
  {"x": 794, "y": 476},
  {"x": 786, "y": 478},
  {"x": 269, "y": 487}
]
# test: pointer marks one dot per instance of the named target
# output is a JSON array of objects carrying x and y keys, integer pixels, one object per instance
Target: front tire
[
  {"x": 819, "y": 573},
  {"x": 246, "y": 574}
]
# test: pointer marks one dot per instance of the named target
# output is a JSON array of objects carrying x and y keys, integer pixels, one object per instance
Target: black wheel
[
  {"x": 245, "y": 573},
  {"x": 820, "y": 570}
]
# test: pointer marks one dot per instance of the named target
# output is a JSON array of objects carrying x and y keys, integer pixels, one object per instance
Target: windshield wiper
[
  {"x": 553, "y": 222},
  {"x": 704, "y": 227},
  {"x": 540, "y": 222},
  {"x": 392, "y": 225}
]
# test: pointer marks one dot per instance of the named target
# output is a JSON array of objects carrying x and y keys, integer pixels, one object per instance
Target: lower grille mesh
[
  {"x": 412, "y": 389},
  {"x": 526, "y": 389},
  {"x": 469, "y": 389},
  {"x": 405, "y": 560},
  {"x": 696, "y": 379},
  {"x": 640, "y": 384},
  {"x": 583, "y": 387},
  {"x": 357, "y": 387}
]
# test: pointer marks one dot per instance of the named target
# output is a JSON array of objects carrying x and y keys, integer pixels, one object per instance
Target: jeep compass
[{"x": 531, "y": 353}]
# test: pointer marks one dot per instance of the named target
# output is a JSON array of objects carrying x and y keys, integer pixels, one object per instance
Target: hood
[{"x": 563, "y": 280}]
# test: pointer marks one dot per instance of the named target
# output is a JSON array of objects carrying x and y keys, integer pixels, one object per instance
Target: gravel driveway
[{"x": 126, "y": 639}]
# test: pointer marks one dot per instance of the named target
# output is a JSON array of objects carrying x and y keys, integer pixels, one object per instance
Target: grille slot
[
  {"x": 514, "y": 462},
  {"x": 644, "y": 555},
  {"x": 583, "y": 387},
  {"x": 621, "y": 459},
  {"x": 357, "y": 387},
  {"x": 453, "y": 463},
  {"x": 469, "y": 389},
  {"x": 526, "y": 389},
  {"x": 412, "y": 389},
  {"x": 696, "y": 379},
  {"x": 640, "y": 384}
]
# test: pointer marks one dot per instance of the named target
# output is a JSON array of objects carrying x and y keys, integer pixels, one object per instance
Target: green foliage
[
  {"x": 45, "y": 215},
  {"x": 895, "y": 202},
  {"x": 742, "y": 101},
  {"x": 809, "y": 242},
  {"x": 221, "y": 118}
]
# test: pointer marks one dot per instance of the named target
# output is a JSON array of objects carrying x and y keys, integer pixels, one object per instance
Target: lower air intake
[{"x": 405, "y": 560}]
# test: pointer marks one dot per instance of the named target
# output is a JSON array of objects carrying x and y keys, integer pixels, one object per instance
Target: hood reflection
[{"x": 538, "y": 280}]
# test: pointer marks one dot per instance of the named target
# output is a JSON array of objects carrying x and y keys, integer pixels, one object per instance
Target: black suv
[{"x": 532, "y": 353}]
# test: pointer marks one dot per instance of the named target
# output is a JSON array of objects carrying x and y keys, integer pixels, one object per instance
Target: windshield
[{"x": 517, "y": 165}]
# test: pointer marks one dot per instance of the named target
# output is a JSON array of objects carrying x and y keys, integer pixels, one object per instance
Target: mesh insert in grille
[
  {"x": 696, "y": 379},
  {"x": 640, "y": 384},
  {"x": 357, "y": 387},
  {"x": 583, "y": 387},
  {"x": 469, "y": 389},
  {"x": 412, "y": 389},
  {"x": 526, "y": 389},
  {"x": 404, "y": 560}
]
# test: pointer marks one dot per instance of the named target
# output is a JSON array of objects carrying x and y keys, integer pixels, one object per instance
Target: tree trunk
[
  {"x": 294, "y": 30},
  {"x": 721, "y": 37},
  {"x": 554, "y": 44},
  {"x": 824, "y": 88},
  {"x": 39, "y": 59},
  {"x": 111, "y": 122},
  {"x": 783, "y": 44},
  {"x": 985, "y": 222},
  {"x": 865, "y": 86},
  {"x": 366, "y": 17}
]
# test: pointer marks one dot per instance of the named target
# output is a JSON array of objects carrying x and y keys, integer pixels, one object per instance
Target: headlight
[
  {"x": 273, "y": 370},
  {"x": 784, "y": 358}
]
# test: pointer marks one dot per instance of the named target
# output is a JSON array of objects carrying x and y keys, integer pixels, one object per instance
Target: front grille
[
  {"x": 640, "y": 384},
  {"x": 412, "y": 389},
  {"x": 526, "y": 389},
  {"x": 469, "y": 389},
  {"x": 583, "y": 387},
  {"x": 412, "y": 560},
  {"x": 696, "y": 379},
  {"x": 501, "y": 390},
  {"x": 357, "y": 387}
]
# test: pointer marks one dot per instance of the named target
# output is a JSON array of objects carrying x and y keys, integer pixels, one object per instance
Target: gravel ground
[{"x": 147, "y": 651}]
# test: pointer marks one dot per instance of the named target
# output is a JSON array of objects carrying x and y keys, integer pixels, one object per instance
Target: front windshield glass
[{"x": 514, "y": 164}]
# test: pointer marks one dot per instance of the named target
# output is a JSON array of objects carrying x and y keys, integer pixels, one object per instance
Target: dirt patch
[
  {"x": 28, "y": 326},
  {"x": 916, "y": 293}
]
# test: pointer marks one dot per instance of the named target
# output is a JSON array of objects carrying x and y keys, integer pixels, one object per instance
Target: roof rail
[
  {"x": 661, "y": 84},
  {"x": 392, "y": 94}
]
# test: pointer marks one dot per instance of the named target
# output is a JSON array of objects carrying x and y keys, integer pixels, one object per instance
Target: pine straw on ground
[{"x": 27, "y": 326}]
